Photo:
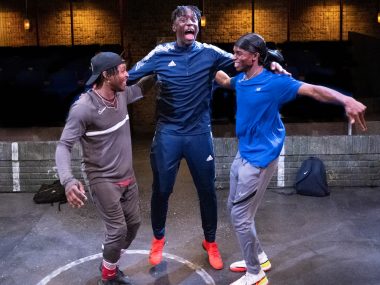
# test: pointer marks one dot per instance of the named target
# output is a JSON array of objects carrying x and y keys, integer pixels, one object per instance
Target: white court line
[
  {"x": 15, "y": 168},
  {"x": 201, "y": 272}
]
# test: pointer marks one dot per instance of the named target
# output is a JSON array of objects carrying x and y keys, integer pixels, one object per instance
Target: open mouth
[
  {"x": 237, "y": 64},
  {"x": 189, "y": 34}
]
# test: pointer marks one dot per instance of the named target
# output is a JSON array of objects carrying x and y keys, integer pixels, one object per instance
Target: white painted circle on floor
[{"x": 201, "y": 272}]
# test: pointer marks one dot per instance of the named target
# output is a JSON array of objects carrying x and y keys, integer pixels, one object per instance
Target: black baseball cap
[{"x": 102, "y": 62}]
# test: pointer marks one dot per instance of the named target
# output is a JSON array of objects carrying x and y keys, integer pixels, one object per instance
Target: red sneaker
[
  {"x": 155, "y": 255},
  {"x": 214, "y": 256}
]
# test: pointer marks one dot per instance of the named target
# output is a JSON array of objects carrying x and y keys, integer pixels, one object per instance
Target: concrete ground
[{"x": 329, "y": 240}]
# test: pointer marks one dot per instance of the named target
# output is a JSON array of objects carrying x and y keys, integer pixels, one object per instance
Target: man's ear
[
  {"x": 255, "y": 56},
  {"x": 104, "y": 74},
  {"x": 174, "y": 28}
]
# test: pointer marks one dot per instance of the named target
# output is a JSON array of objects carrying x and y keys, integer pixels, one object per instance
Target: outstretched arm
[
  {"x": 223, "y": 79},
  {"x": 354, "y": 109}
]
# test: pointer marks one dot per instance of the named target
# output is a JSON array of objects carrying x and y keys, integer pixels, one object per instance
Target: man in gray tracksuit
[{"x": 99, "y": 120}]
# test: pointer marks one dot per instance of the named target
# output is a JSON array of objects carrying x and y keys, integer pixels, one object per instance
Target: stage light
[
  {"x": 26, "y": 24},
  {"x": 26, "y": 20},
  {"x": 203, "y": 21}
]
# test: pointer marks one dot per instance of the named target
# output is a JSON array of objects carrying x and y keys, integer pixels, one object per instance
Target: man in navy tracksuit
[{"x": 185, "y": 69}]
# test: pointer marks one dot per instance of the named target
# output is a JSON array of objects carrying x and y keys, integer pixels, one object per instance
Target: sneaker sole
[
  {"x": 264, "y": 267},
  {"x": 238, "y": 269},
  {"x": 263, "y": 281}
]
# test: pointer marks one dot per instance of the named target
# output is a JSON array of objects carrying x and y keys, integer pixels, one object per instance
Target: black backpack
[
  {"x": 311, "y": 178},
  {"x": 51, "y": 193}
]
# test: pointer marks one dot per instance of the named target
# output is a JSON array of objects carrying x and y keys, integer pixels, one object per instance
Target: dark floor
[{"x": 330, "y": 240}]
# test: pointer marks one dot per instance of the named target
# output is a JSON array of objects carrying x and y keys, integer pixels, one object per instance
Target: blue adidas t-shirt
[
  {"x": 186, "y": 74},
  {"x": 259, "y": 128}
]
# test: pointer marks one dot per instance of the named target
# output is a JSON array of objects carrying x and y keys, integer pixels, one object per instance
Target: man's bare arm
[
  {"x": 223, "y": 79},
  {"x": 355, "y": 110}
]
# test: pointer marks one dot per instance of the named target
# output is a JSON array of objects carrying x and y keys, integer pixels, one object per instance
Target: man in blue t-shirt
[{"x": 261, "y": 134}]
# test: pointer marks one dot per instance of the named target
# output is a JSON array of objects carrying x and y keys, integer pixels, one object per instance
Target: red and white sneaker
[
  {"x": 240, "y": 266},
  {"x": 252, "y": 279}
]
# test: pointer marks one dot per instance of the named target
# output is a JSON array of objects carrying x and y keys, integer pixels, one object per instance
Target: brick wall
[
  {"x": 320, "y": 21},
  {"x": 147, "y": 22},
  {"x": 226, "y": 20},
  {"x": 54, "y": 23},
  {"x": 271, "y": 14},
  {"x": 94, "y": 22},
  {"x": 350, "y": 161}
]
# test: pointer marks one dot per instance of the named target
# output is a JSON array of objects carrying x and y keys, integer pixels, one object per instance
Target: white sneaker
[
  {"x": 240, "y": 266},
  {"x": 264, "y": 262},
  {"x": 262, "y": 257},
  {"x": 252, "y": 279}
]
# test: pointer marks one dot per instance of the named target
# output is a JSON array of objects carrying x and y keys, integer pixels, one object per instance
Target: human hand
[
  {"x": 76, "y": 195},
  {"x": 277, "y": 68},
  {"x": 146, "y": 83},
  {"x": 355, "y": 112}
]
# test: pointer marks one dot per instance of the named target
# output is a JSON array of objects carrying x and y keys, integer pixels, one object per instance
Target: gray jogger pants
[
  {"x": 120, "y": 210},
  {"x": 247, "y": 187}
]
